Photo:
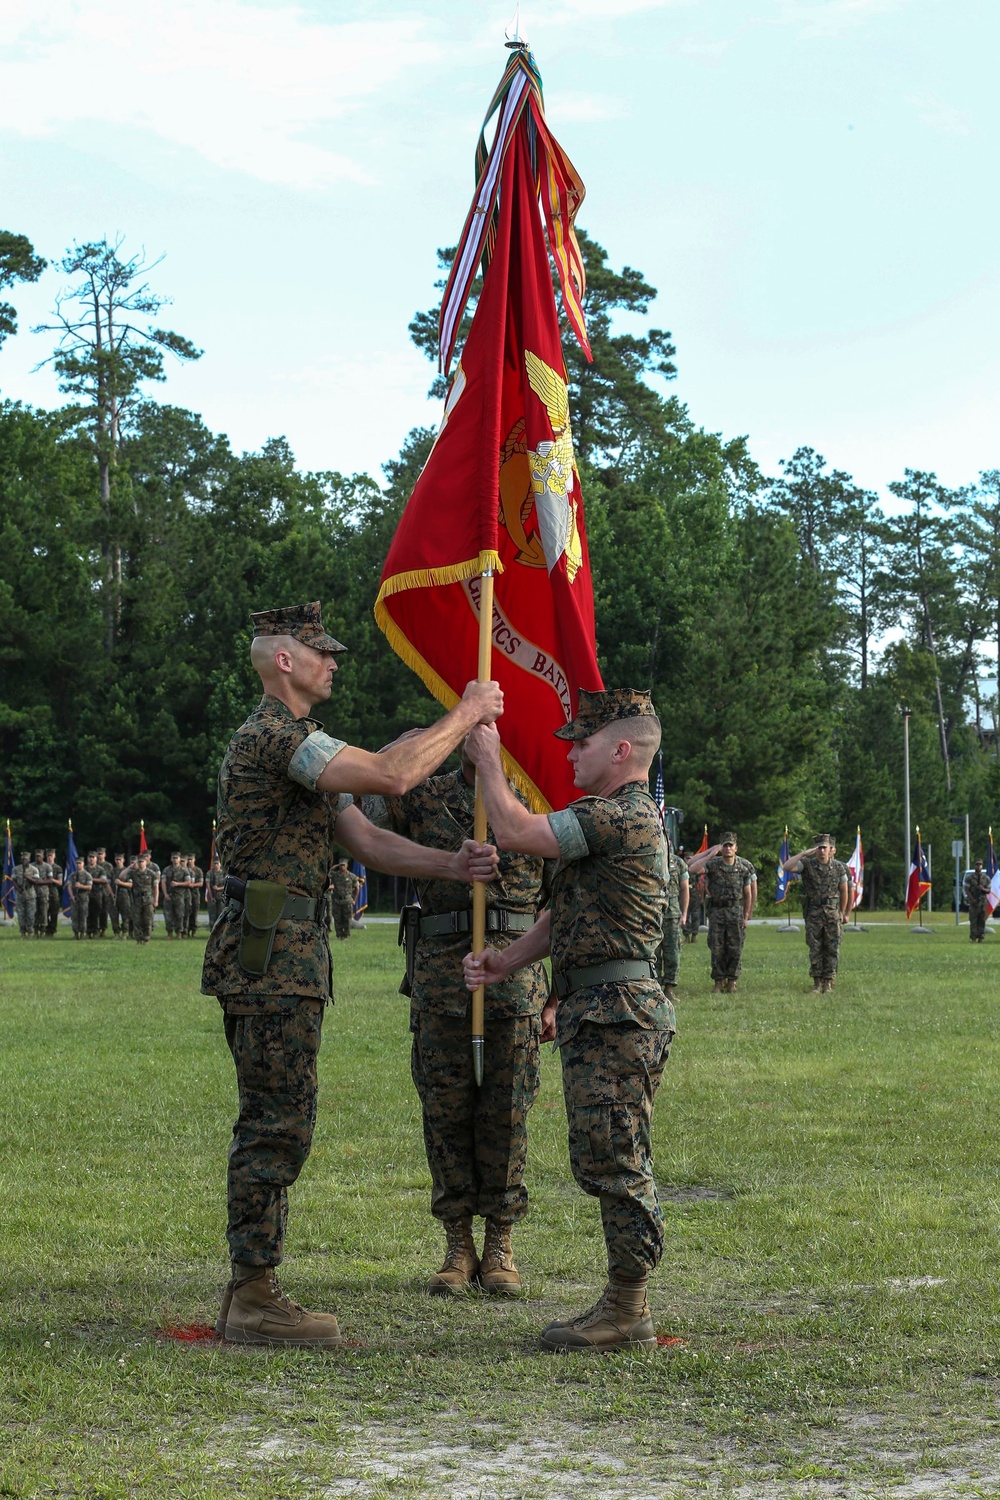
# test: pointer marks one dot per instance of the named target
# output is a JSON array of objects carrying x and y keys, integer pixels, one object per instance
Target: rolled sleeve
[
  {"x": 312, "y": 758},
  {"x": 569, "y": 834}
]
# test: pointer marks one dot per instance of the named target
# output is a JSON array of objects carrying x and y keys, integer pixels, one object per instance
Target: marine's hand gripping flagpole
[{"x": 479, "y": 832}]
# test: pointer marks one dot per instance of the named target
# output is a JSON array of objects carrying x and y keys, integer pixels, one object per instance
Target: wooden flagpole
[{"x": 479, "y": 830}]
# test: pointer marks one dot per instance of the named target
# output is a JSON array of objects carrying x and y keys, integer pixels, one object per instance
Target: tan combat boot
[
  {"x": 461, "y": 1263},
  {"x": 619, "y": 1319},
  {"x": 260, "y": 1313},
  {"x": 497, "y": 1271},
  {"x": 817, "y": 986},
  {"x": 720, "y": 987},
  {"x": 731, "y": 986},
  {"x": 221, "y": 1320}
]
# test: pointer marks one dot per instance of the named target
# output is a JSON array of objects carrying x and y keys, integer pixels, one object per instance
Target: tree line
[{"x": 782, "y": 622}]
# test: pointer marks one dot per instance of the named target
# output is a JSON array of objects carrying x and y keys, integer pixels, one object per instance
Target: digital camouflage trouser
[
  {"x": 476, "y": 1139},
  {"x": 726, "y": 934},
  {"x": 977, "y": 920},
  {"x": 80, "y": 912},
  {"x": 142, "y": 917},
  {"x": 343, "y": 911},
  {"x": 823, "y": 928},
  {"x": 610, "y": 1077},
  {"x": 668, "y": 959},
  {"x": 25, "y": 905},
  {"x": 275, "y": 1057},
  {"x": 123, "y": 907}
]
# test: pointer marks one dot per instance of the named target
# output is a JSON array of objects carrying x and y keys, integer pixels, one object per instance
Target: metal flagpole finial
[{"x": 515, "y": 42}]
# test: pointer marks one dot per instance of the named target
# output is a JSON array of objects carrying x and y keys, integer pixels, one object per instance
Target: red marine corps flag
[{"x": 500, "y": 493}]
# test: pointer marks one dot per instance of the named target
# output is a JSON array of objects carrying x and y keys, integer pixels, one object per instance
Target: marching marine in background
[
  {"x": 612, "y": 1021},
  {"x": 142, "y": 884},
  {"x": 215, "y": 883},
  {"x": 121, "y": 917},
  {"x": 54, "y": 893},
  {"x": 41, "y": 893},
  {"x": 826, "y": 902},
  {"x": 729, "y": 890},
  {"x": 26, "y": 881},
  {"x": 976, "y": 886},
  {"x": 344, "y": 889},
  {"x": 196, "y": 878},
  {"x": 668, "y": 960},
  {"x": 80, "y": 883}
]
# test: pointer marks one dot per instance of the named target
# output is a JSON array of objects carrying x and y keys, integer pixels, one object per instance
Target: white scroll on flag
[{"x": 856, "y": 870}]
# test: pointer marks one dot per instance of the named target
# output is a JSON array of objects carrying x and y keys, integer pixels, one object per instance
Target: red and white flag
[
  {"x": 856, "y": 869},
  {"x": 993, "y": 871},
  {"x": 919, "y": 881},
  {"x": 500, "y": 489}
]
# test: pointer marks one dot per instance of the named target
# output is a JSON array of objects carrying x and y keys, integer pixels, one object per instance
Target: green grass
[{"x": 829, "y": 1170}]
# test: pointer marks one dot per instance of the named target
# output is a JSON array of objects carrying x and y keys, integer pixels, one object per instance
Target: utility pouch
[
  {"x": 263, "y": 903},
  {"x": 409, "y": 929}
]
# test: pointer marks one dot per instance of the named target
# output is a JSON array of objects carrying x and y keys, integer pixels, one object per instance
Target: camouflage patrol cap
[
  {"x": 594, "y": 710},
  {"x": 26, "y": 854},
  {"x": 303, "y": 622},
  {"x": 825, "y": 838},
  {"x": 729, "y": 837}
]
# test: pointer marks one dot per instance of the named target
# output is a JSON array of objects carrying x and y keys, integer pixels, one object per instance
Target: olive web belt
[
  {"x": 615, "y": 971},
  {"x": 498, "y": 919}
]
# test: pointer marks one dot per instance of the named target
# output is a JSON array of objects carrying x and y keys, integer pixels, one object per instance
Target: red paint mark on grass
[
  {"x": 189, "y": 1333},
  {"x": 667, "y": 1341}
]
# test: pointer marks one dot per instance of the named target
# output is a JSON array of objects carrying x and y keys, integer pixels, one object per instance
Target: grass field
[{"x": 829, "y": 1171}]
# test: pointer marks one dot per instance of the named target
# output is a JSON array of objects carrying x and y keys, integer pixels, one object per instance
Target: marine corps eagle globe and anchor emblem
[{"x": 544, "y": 477}]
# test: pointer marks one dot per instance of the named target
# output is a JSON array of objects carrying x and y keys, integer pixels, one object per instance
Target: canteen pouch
[
  {"x": 409, "y": 928},
  {"x": 263, "y": 902}
]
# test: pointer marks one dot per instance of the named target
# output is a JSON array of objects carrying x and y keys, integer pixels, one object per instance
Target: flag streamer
[
  {"x": 500, "y": 495},
  {"x": 558, "y": 187}
]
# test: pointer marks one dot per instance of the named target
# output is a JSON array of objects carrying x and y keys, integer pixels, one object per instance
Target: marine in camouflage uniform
[
  {"x": 285, "y": 790},
  {"x": 166, "y": 881},
  {"x": 41, "y": 893},
  {"x": 476, "y": 1139},
  {"x": 107, "y": 891},
  {"x": 668, "y": 960},
  {"x": 26, "y": 894},
  {"x": 216, "y": 895},
  {"x": 55, "y": 893},
  {"x": 976, "y": 889},
  {"x": 826, "y": 901},
  {"x": 121, "y": 911},
  {"x": 343, "y": 892},
  {"x": 142, "y": 884},
  {"x": 179, "y": 898},
  {"x": 196, "y": 879},
  {"x": 80, "y": 883},
  {"x": 729, "y": 890},
  {"x": 611, "y": 1019}
]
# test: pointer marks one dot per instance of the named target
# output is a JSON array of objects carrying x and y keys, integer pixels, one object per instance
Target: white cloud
[
  {"x": 828, "y": 18},
  {"x": 940, "y": 115},
  {"x": 582, "y": 109},
  {"x": 585, "y": 10},
  {"x": 244, "y": 85}
]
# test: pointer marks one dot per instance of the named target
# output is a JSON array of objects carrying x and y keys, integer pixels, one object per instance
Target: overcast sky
[{"x": 810, "y": 184}]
